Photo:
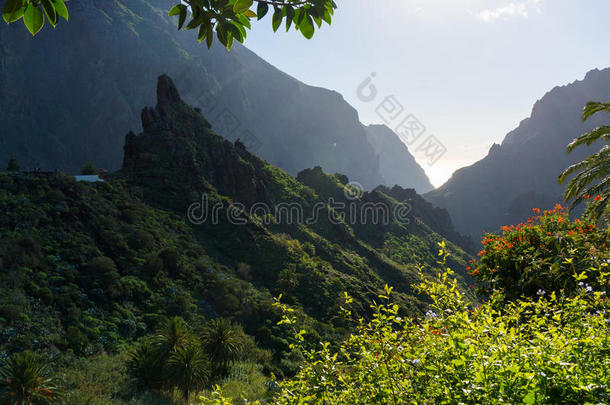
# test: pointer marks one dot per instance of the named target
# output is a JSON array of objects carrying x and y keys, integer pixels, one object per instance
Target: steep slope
[
  {"x": 521, "y": 174},
  {"x": 197, "y": 226},
  {"x": 68, "y": 94},
  {"x": 396, "y": 164},
  {"x": 178, "y": 160}
]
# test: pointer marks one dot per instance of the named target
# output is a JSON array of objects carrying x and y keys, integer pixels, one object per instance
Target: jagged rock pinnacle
[{"x": 166, "y": 90}]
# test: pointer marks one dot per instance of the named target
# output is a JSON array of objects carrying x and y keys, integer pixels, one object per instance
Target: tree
[
  {"x": 172, "y": 336},
  {"x": 25, "y": 381},
  {"x": 228, "y": 19},
  {"x": 13, "y": 166},
  {"x": 188, "y": 369},
  {"x": 222, "y": 342},
  {"x": 593, "y": 178},
  {"x": 145, "y": 366},
  {"x": 88, "y": 169},
  {"x": 148, "y": 361}
]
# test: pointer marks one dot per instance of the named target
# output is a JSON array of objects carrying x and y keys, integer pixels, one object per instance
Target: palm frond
[
  {"x": 593, "y": 107},
  {"x": 599, "y": 133}
]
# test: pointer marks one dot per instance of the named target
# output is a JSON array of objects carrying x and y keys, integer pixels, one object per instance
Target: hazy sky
[{"x": 469, "y": 70}]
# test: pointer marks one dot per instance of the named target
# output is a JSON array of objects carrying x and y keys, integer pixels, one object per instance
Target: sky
[{"x": 468, "y": 71}]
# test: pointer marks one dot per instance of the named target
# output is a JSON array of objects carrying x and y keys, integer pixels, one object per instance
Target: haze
[{"x": 470, "y": 71}]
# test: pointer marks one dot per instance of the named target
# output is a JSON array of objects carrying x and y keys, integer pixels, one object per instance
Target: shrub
[
  {"x": 552, "y": 349},
  {"x": 12, "y": 166},
  {"x": 541, "y": 255},
  {"x": 26, "y": 380},
  {"x": 88, "y": 169}
]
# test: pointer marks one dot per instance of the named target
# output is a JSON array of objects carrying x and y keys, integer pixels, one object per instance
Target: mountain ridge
[
  {"x": 527, "y": 162},
  {"x": 292, "y": 125}
]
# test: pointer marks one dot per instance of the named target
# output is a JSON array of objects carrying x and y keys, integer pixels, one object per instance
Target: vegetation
[
  {"x": 12, "y": 166},
  {"x": 225, "y": 19},
  {"x": 592, "y": 174},
  {"x": 543, "y": 254},
  {"x": 33, "y": 13},
  {"x": 547, "y": 350},
  {"x": 25, "y": 380},
  {"x": 125, "y": 302},
  {"x": 88, "y": 169}
]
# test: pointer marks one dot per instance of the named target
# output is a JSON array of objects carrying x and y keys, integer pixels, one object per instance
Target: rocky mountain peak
[{"x": 167, "y": 91}]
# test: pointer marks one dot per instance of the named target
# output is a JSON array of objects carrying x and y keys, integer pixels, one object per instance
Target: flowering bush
[
  {"x": 552, "y": 349},
  {"x": 541, "y": 255}
]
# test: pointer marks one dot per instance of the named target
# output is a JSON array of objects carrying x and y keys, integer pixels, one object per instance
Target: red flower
[
  {"x": 536, "y": 210},
  {"x": 586, "y": 196},
  {"x": 598, "y": 198}
]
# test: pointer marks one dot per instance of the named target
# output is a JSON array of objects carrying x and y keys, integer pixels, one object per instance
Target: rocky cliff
[{"x": 521, "y": 173}]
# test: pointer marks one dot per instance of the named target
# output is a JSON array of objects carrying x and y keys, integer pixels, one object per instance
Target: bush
[
  {"x": 88, "y": 169},
  {"x": 541, "y": 255},
  {"x": 552, "y": 349}
]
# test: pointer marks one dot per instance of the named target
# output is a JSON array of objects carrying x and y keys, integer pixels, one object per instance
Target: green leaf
[
  {"x": 175, "y": 10},
  {"x": 277, "y": 19},
  {"x": 203, "y": 31},
  {"x": 249, "y": 14},
  {"x": 262, "y": 10},
  {"x": 210, "y": 36},
  {"x": 306, "y": 27},
  {"x": 530, "y": 398},
  {"x": 182, "y": 18},
  {"x": 61, "y": 9},
  {"x": 33, "y": 18},
  {"x": 49, "y": 10},
  {"x": 13, "y": 10},
  {"x": 289, "y": 16},
  {"x": 241, "y": 6}
]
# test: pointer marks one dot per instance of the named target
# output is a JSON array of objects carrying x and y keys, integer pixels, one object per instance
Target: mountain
[
  {"x": 197, "y": 226},
  {"x": 521, "y": 173},
  {"x": 68, "y": 94},
  {"x": 397, "y": 165}
]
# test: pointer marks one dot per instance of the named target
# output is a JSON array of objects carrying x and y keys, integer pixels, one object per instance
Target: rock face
[
  {"x": 521, "y": 173},
  {"x": 68, "y": 95},
  {"x": 396, "y": 164},
  {"x": 179, "y": 153}
]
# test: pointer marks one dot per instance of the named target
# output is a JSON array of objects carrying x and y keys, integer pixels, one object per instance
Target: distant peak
[{"x": 166, "y": 90}]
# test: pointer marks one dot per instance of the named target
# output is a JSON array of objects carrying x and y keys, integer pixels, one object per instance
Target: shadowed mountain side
[
  {"x": 489, "y": 194},
  {"x": 68, "y": 94},
  {"x": 397, "y": 165}
]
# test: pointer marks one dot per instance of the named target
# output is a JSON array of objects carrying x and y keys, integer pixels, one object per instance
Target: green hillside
[{"x": 89, "y": 268}]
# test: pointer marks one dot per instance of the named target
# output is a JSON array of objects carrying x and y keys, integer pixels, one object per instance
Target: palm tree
[
  {"x": 147, "y": 362},
  {"x": 172, "y": 335},
  {"x": 222, "y": 342},
  {"x": 24, "y": 380},
  {"x": 593, "y": 178},
  {"x": 188, "y": 369},
  {"x": 145, "y": 365}
]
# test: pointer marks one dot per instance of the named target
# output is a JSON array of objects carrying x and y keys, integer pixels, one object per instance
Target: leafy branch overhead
[
  {"x": 34, "y": 12},
  {"x": 230, "y": 18}
]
